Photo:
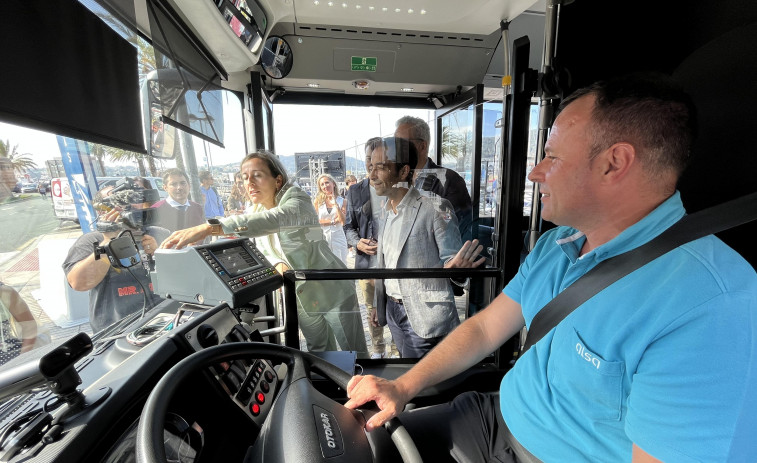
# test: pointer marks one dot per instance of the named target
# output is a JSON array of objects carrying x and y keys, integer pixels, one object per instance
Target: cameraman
[{"x": 114, "y": 292}]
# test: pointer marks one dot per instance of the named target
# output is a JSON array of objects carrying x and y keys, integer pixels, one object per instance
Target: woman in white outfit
[{"x": 331, "y": 209}]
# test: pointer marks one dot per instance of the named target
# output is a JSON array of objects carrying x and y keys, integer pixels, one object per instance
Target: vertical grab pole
[
  {"x": 507, "y": 82},
  {"x": 551, "y": 20},
  {"x": 291, "y": 324}
]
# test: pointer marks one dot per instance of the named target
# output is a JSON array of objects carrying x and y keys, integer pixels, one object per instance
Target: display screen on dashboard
[{"x": 236, "y": 260}]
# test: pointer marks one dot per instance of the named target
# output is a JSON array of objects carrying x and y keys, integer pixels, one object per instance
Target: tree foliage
[{"x": 22, "y": 162}]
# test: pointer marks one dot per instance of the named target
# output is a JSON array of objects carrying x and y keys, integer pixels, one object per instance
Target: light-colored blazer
[{"x": 429, "y": 238}]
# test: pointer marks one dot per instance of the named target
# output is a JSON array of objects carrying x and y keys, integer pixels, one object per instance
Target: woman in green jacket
[{"x": 285, "y": 226}]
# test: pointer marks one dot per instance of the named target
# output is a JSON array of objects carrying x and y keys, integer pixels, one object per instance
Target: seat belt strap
[{"x": 697, "y": 225}]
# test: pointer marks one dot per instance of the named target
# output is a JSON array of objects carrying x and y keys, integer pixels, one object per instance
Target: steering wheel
[{"x": 325, "y": 429}]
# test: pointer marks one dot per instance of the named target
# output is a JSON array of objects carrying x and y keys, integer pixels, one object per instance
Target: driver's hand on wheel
[{"x": 390, "y": 397}]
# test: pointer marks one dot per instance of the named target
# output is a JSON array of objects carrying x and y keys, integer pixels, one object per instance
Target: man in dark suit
[
  {"x": 434, "y": 178},
  {"x": 361, "y": 229},
  {"x": 177, "y": 212}
]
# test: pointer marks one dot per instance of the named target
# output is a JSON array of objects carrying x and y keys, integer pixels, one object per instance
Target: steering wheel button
[
  {"x": 260, "y": 397},
  {"x": 255, "y": 409}
]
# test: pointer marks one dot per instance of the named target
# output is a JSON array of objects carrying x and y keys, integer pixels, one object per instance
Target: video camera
[{"x": 133, "y": 202}]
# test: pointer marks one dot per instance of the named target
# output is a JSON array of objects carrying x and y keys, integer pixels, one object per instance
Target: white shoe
[{"x": 376, "y": 355}]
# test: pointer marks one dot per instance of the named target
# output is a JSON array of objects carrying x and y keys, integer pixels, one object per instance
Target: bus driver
[{"x": 659, "y": 388}]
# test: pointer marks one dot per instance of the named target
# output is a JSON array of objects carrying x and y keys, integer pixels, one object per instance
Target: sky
[
  {"x": 297, "y": 128},
  {"x": 300, "y": 128},
  {"x": 41, "y": 145}
]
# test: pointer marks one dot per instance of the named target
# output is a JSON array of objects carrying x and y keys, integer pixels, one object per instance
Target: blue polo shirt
[
  {"x": 665, "y": 358},
  {"x": 213, "y": 204}
]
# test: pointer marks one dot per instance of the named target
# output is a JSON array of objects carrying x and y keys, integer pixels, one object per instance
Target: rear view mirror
[
  {"x": 162, "y": 136},
  {"x": 277, "y": 58}
]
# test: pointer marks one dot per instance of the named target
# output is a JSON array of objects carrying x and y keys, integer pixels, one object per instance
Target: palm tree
[
  {"x": 22, "y": 162},
  {"x": 117, "y": 154},
  {"x": 453, "y": 143},
  {"x": 98, "y": 152}
]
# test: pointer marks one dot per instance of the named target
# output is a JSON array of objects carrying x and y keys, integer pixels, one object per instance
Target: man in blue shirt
[
  {"x": 213, "y": 202},
  {"x": 661, "y": 365}
]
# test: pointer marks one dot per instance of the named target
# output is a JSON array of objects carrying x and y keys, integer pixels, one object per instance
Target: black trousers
[{"x": 469, "y": 429}]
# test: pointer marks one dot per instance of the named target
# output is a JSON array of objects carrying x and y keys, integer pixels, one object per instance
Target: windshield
[
  {"x": 323, "y": 156},
  {"x": 61, "y": 276}
]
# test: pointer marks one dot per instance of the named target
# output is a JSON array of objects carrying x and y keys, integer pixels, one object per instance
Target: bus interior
[{"x": 226, "y": 376}]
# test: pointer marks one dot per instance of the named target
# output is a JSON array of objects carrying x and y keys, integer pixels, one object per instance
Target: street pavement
[{"x": 21, "y": 270}]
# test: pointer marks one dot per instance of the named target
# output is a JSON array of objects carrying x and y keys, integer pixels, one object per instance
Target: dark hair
[
  {"x": 371, "y": 144},
  {"x": 175, "y": 172},
  {"x": 203, "y": 174},
  {"x": 402, "y": 152},
  {"x": 273, "y": 162},
  {"x": 650, "y": 111}
]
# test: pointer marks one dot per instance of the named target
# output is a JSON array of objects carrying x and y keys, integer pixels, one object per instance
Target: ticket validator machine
[{"x": 233, "y": 271}]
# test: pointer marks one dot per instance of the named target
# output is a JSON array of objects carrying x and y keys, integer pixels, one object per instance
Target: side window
[{"x": 533, "y": 136}]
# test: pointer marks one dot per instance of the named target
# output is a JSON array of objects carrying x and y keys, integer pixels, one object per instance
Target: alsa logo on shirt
[
  {"x": 130, "y": 290},
  {"x": 586, "y": 355}
]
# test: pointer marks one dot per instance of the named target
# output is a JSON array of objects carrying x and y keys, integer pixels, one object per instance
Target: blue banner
[{"x": 81, "y": 179}]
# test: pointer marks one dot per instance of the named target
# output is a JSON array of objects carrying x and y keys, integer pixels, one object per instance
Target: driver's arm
[{"x": 467, "y": 344}]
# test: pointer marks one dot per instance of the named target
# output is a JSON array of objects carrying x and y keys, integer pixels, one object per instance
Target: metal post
[
  {"x": 545, "y": 109},
  {"x": 291, "y": 333}
]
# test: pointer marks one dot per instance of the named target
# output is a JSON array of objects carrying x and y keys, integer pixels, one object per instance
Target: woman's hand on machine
[{"x": 181, "y": 238}]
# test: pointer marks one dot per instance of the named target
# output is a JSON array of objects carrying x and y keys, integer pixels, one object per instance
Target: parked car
[{"x": 28, "y": 187}]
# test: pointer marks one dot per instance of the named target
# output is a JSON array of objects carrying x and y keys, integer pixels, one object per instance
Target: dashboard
[
  {"x": 116, "y": 378},
  {"x": 88, "y": 409}
]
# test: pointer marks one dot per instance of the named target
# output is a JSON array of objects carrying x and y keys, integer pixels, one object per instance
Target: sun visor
[
  {"x": 186, "y": 87},
  {"x": 67, "y": 72}
]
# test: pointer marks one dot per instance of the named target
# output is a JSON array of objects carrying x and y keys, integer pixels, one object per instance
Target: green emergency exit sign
[{"x": 360, "y": 63}]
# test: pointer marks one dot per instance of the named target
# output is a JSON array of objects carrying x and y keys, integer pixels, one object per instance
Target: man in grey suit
[{"x": 419, "y": 312}]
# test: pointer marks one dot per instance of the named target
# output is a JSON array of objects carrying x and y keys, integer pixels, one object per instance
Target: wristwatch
[{"x": 215, "y": 227}]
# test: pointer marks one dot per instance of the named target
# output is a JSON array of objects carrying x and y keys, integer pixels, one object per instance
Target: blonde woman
[{"x": 331, "y": 210}]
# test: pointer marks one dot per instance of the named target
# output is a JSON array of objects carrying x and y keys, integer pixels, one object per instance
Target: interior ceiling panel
[{"x": 477, "y": 17}]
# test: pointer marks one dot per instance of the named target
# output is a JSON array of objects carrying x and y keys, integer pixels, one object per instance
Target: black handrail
[
  {"x": 291, "y": 277},
  {"x": 395, "y": 274}
]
